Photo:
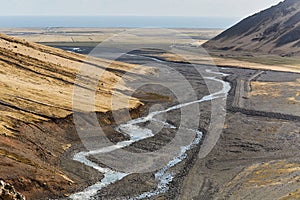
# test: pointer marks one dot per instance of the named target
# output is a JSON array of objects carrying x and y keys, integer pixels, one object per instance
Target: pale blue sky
[{"x": 208, "y": 8}]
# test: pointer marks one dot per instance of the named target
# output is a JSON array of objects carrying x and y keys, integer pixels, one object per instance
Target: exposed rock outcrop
[{"x": 8, "y": 192}]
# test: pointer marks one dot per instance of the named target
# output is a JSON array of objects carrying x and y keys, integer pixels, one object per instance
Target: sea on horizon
[{"x": 115, "y": 22}]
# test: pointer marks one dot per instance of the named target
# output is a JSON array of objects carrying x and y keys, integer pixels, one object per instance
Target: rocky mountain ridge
[{"x": 272, "y": 31}]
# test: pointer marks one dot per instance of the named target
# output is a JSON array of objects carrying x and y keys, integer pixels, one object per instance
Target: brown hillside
[
  {"x": 36, "y": 128},
  {"x": 275, "y": 30}
]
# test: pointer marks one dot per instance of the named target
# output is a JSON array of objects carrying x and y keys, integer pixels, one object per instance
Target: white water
[
  {"x": 163, "y": 176},
  {"x": 138, "y": 133}
]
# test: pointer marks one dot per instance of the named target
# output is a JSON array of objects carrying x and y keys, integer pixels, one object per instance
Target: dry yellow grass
[
  {"x": 292, "y": 195},
  {"x": 268, "y": 177},
  {"x": 230, "y": 62},
  {"x": 96, "y": 35},
  {"x": 37, "y": 83},
  {"x": 276, "y": 89},
  {"x": 273, "y": 173},
  {"x": 15, "y": 157}
]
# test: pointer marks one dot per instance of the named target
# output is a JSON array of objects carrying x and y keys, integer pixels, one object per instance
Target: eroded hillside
[
  {"x": 36, "y": 127},
  {"x": 274, "y": 30}
]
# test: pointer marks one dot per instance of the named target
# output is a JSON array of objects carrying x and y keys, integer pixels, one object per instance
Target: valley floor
[{"x": 256, "y": 156}]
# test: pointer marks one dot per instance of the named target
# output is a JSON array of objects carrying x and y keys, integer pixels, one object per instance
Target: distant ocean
[{"x": 114, "y": 22}]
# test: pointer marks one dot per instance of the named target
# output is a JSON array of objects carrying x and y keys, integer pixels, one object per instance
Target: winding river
[{"x": 138, "y": 133}]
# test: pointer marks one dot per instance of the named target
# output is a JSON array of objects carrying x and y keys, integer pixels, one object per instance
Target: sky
[{"x": 199, "y": 8}]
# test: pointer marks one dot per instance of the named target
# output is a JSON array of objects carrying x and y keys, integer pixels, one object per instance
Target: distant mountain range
[{"x": 273, "y": 31}]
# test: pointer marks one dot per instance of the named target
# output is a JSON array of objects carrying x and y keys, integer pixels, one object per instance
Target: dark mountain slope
[{"x": 275, "y": 30}]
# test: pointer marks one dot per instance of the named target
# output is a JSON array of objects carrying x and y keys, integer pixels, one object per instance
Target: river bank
[{"x": 252, "y": 142}]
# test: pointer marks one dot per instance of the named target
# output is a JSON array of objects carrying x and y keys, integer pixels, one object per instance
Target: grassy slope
[{"x": 36, "y": 104}]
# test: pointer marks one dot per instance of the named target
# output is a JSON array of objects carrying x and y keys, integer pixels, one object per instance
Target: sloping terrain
[
  {"x": 275, "y": 30},
  {"x": 36, "y": 106}
]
